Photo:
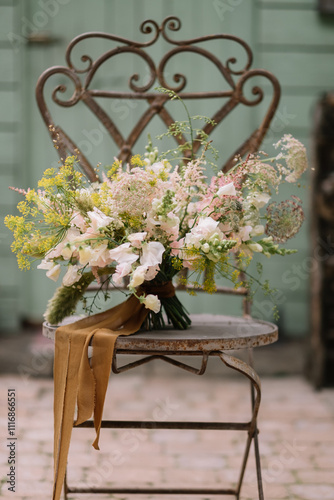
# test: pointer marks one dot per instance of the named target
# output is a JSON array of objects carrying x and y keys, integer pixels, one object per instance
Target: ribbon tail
[
  {"x": 103, "y": 352},
  {"x": 86, "y": 390},
  {"x": 67, "y": 362}
]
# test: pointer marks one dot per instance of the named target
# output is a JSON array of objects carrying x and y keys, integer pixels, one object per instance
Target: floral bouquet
[{"x": 147, "y": 222}]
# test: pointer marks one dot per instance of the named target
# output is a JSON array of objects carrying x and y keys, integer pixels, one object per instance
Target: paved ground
[{"x": 296, "y": 437}]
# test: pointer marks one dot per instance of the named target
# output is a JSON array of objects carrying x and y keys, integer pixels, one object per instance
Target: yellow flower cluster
[{"x": 44, "y": 223}]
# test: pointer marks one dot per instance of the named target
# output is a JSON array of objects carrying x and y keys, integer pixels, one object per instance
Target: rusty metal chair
[{"x": 209, "y": 335}]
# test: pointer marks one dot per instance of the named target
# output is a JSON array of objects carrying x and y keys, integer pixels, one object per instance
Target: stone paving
[{"x": 296, "y": 438}]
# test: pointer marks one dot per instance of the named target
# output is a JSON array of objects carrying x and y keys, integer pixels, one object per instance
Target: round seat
[{"x": 208, "y": 332}]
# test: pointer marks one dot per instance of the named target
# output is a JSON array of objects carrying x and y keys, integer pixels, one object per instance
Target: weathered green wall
[{"x": 290, "y": 39}]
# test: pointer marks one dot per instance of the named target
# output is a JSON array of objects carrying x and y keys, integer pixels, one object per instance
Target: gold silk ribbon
[{"x": 77, "y": 382}]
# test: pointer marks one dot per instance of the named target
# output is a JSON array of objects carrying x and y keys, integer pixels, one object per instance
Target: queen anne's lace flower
[
  {"x": 294, "y": 153},
  {"x": 284, "y": 219}
]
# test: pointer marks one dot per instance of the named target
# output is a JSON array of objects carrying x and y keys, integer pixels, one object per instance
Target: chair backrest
[{"x": 82, "y": 81}]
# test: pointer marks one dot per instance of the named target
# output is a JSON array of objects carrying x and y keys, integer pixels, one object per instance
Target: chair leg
[
  {"x": 258, "y": 465},
  {"x": 249, "y": 372},
  {"x": 65, "y": 486}
]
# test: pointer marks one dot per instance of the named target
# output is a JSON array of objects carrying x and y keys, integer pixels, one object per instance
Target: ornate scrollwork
[
  {"x": 147, "y": 27},
  {"x": 120, "y": 50},
  {"x": 62, "y": 88},
  {"x": 236, "y": 78},
  {"x": 179, "y": 77}
]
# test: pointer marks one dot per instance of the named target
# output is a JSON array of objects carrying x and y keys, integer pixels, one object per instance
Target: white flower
[
  {"x": 205, "y": 229},
  {"x": 137, "y": 238},
  {"x": 78, "y": 221},
  {"x": 53, "y": 270},
  {"x": 67, "y": 251},
  {"x": 257, "y": 230},
  {"x": 228, "y": 189},
  {"x": 259, "y": 200},
  {"x": 85, "y": 254},
  {"x": 100, "y": 256},
  {"x": 206, "y": 226},
  {"x": 157, "y": 167},
  {"x": 71, "y": 235},
  {"x": 138, "y": 276},
  {"x": 171, "y": 225},
  {"x": 71, "y": 275},
  {"x": 152, "y": 253},
  {"x": 206, "y": 248},
  {"x": 98, "y": 220},
  {"x": 152, "y": 302},
  {"x": 151, "y": 272},
  {"x": 121, "y": 271},
  {"x": 244, "y": 232},
  {"x": 123, "y": 253},
  {"x": 255, "y": 247}
]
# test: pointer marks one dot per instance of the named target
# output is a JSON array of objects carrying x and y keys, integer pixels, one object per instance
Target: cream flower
[
  {"x": 67, "y": 251},
  {"x": 255, "y": 247},
  {"x": 138, "y": 276},
  {"x": 71, "y": 235},
  {"x": 152, "y": 302},
  {"x": 123, "y": 253},
  {"x": 245, "y": 232},
  {"x": 85, "y": 254},
  {"x": 151, "y": 272},
  {"x": 152, "y": 253},
  {"x": 205, "y": 228},
  {"x": 257, "y": 230},
  {"x": 78, "y": 221},
  {"x": 121, "y": 271},
  {"x": 98, "y": 220},
  {"x": 259, "y": 200},
  {"x": 53, "y": 270},
  {"x": 71, "y": 275},
  {"x": 228, "y": 189},
  {"x": 136, "y": 239}
]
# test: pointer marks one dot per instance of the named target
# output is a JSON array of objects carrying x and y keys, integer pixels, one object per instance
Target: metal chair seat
[{"x": 208, "y": 333}]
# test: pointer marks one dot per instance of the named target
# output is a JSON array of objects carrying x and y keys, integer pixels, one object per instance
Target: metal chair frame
[{"x": 236, "y": 79}]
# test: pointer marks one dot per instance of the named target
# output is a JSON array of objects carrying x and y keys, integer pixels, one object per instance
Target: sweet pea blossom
[
  {"x": 245, "y": 232},
  {"x": 152, "y": 253},
  {"x": 78, "y": 221},
  {"x": 257, "y": 230},
  {"x": 53, "y": 270},
  {"x": 98, "y": 220},
  {"x": 121, "y": 271},
  {"x": 171, "y": 225},
  {"x": 136, "y": 239},
  {"x": 59, "y": 250},
  {"x": 71, "y": 275},
  {"x": 228, "y": 189},
  {"x": 205, "y": 228},
  {"x": 152, "y": 302},
  {"x": 151, "y": 272},
  {"x": 176, "y": 247},
  {"x": 94, "y": 256},
  {"x": 123, "y": 253},
  {"x": 259, "y": 200},
  {"x": 100, "y": 256},
  {"x": 138, "y": 276}
]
